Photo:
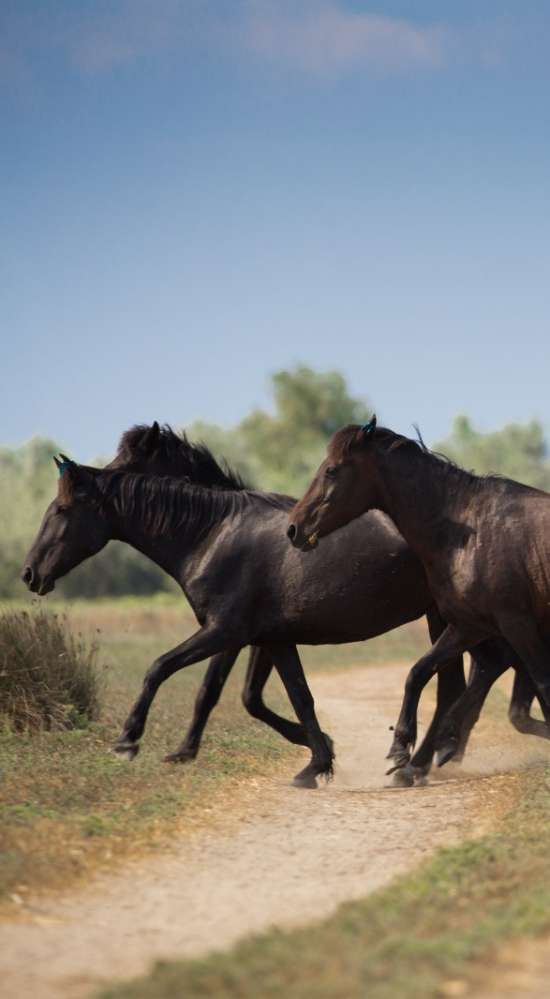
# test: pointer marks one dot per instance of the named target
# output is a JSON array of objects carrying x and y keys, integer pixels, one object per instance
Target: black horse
[
  {"x": 483, "y": 543},
  {"x": 227, "y": 550}
]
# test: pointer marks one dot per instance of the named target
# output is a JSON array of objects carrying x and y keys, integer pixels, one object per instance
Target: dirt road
[{"x": 285, "y": 857}]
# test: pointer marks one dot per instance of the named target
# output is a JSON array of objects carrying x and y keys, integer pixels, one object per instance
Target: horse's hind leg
[
  {"x": 523, "y": 695},
  {"x": 208, "y": 696},
  {"x": 288, "y": 665},
  {"x": 259, "y": 669},
  {"x": 522, "y": 634}
]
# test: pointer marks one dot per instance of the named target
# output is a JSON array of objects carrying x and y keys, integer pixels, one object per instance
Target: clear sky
[{"x": 195, "y": 193}]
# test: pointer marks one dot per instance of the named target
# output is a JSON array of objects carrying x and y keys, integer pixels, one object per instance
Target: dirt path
[{"x": 286, "y": 857}]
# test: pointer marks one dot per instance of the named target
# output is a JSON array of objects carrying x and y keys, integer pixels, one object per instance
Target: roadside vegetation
[
  {"x": 48, "y": 677},
  {"x": 423, "y": 936},
  {"x": 68, "y": 804}
]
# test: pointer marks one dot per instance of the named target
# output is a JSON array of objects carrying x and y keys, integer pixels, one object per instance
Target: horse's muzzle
[{"x": 298, "y": 540}]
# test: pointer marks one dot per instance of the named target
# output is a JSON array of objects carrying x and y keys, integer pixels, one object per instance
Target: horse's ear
[
  {"x": 63, "y": 465},
  {"x": 74, "y": 481},
  {"x": 368, "y": 429},
  {"x": 150, "y": 438}
]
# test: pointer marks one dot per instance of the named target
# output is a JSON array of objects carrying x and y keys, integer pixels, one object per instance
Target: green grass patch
[
  {"x": 405, "y": 940},
  {"x": 67, "y": 803}
]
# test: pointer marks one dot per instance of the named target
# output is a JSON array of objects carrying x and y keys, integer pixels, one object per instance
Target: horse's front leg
[
  {"x": 206, "y": 642},
  {"x": 454, "y": 731},
  {"x": 451, "y": 683},
  {"x": 450, "y": 644},
  {"x": 208, "y": 696}
]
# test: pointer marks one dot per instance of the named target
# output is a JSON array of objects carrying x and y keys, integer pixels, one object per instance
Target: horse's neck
[
  {"x": 421, "y": 499},
  {"x": 174, "y": 549},
  {"x": 164, "y": 552}
]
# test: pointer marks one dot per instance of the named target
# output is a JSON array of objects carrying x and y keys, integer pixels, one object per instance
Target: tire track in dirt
[{"x": 285, "y": 857}]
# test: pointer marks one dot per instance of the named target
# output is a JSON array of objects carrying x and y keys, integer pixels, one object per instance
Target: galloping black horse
[
  {"x": 379, "y": 586},
  {"x": 227, "y": 550},
  {"x": 495, "y": 598}
]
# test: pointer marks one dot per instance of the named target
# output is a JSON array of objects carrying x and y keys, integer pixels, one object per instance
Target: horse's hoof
[
  {"x": 305, "y": 781},
  {"x": 127, "y": 749},
  {"x": 403, "y": 778},
  {"x": 400, "y": 760},
  {"x": 180, "y": 756},
  {"x": 446, "y": 753},
  {"x": 421, "y": 779}
]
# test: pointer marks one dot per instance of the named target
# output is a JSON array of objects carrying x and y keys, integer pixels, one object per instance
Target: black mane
[
  {"x": 165, "y": 506},
  {"x": 195, "y": 461}
]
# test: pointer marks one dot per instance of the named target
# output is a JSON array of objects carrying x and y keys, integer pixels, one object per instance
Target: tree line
[{"x": 275, "y": 451}]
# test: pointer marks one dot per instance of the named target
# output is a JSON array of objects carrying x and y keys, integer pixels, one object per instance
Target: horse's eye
[{"x": 331, "y": 472}]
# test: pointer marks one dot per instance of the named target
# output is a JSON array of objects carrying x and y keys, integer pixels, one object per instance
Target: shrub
[{"x": 48, "y": 677}]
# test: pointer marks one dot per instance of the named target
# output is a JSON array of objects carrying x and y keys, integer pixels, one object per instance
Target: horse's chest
[{"x": 459, "y": 587}]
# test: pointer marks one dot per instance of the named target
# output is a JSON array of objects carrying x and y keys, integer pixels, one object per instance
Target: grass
[
  {"x": 417, "y": 939},
  {"x": 48, "y": 676},
  {"x": 68, "y": 805}
]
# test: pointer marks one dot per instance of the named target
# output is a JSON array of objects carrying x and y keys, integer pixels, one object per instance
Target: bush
[{"x": 48, "y": 677}]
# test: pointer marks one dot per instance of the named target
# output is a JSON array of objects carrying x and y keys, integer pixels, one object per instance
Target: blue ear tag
[
  {"x": 370, "y": 427},
  {"x": 62, "y": 466}
]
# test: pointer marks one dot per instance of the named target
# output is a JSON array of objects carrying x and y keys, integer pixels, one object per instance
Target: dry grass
[
  {"x": 68, "y": 804},
  {"x": 49, "y": 677}
]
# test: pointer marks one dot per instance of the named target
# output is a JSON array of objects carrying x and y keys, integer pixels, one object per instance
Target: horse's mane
[
  {"x": 165, "y": 506},
  {"x": 161, "y": 443},
  {"x": 348, "y": 438}
]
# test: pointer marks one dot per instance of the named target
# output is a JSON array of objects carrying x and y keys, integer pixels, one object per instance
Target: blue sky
[{"x": 196, "y": 194}]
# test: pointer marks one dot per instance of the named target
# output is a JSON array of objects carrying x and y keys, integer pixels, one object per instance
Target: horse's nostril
[
  {"x": 291, "y": 533},
  {"x": 27, "y": 575}
]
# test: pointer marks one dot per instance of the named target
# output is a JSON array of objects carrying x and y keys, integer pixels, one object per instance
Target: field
[
  {"x": 69, "y": 805},
  {"x": 72, "y": 812}
]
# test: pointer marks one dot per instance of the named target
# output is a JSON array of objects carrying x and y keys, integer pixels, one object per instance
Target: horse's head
[
  {"x": 341, "y": 489},
  {"x": 140, "y": 450},
  {"x": 73, "y": 528}
]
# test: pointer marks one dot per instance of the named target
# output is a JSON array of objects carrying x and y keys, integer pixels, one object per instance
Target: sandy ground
[{"x": 283, "y": 857}]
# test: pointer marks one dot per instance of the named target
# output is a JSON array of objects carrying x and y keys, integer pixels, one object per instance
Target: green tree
[
  {"x": 517, "y": 451},
  {"x": 227, "y": 445},
  {"x": 284, "y": 448}
]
